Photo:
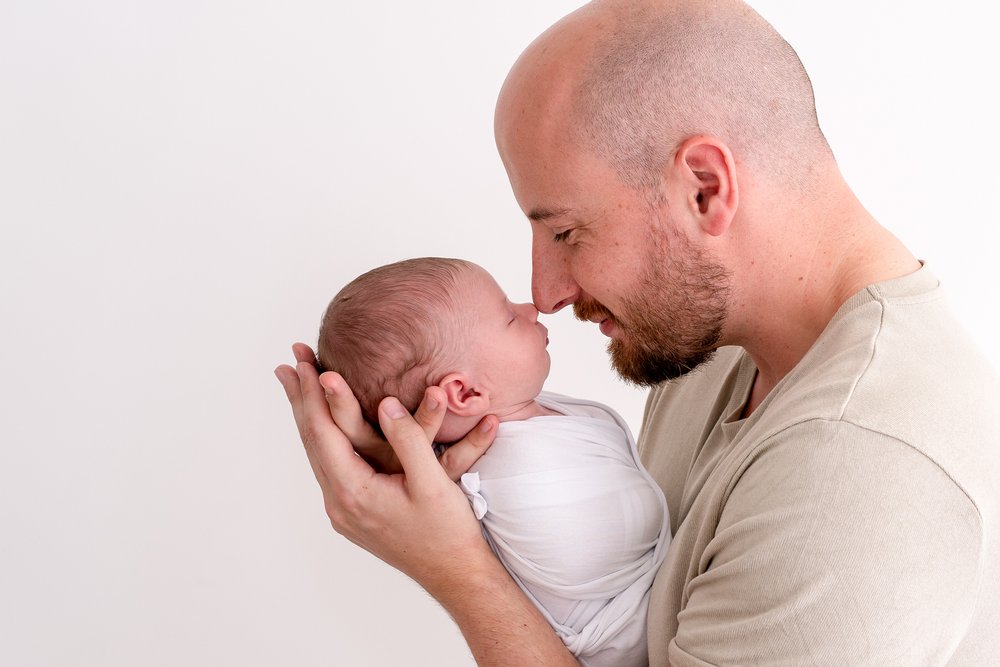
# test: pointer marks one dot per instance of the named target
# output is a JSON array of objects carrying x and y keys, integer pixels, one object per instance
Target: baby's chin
[{"x": 455, "y": 428}]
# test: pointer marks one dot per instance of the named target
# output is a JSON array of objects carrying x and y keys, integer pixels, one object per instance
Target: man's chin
[{"x": 649, "y": 370}]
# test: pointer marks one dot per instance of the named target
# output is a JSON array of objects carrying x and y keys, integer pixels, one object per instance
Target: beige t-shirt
[{"x": 854, "y": 517}]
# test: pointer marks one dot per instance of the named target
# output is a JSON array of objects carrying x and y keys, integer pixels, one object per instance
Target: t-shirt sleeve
[{"x": 836, "y": 545}]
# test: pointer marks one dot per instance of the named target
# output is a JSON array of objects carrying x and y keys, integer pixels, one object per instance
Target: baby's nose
[{"x": 531, "y": 311}]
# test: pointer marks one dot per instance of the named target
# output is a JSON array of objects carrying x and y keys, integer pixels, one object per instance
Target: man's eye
[{"x": 562, "y": 236}]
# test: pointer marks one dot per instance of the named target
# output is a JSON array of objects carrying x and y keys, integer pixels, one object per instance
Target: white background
[{"x": 184, "y": 185}]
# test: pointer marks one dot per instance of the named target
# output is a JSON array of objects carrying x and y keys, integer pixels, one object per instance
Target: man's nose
[{"x": 552, "y": 286}]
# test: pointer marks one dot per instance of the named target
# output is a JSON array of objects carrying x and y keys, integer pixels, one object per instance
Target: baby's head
[{"x": 403, "y": 327}]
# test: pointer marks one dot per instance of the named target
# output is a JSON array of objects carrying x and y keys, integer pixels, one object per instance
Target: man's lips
[{"x": 594, "y": 312}]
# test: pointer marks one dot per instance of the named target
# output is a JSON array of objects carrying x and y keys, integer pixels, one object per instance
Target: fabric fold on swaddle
[
  {"x": 471, "y": 485},
  {"x": 579, "y": 524}
]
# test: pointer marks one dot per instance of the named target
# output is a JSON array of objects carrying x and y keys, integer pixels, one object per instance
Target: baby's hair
[{"x": 393, "y": 331}]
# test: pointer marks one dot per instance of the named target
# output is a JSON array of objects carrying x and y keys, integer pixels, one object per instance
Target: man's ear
[
  {"x": 463, "y": 398},
  {"x": 707, "y": 178}
]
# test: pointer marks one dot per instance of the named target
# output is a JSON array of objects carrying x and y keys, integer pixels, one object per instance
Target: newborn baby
[{"x": 561, "y": 496}]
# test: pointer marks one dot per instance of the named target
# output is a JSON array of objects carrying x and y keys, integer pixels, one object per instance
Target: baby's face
[{"x": 507, "y": 342}]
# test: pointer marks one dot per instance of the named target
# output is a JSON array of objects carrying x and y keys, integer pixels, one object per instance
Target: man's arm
[
  {"x": 419, "y": 521},
  {"x": 500, "y": 624}
]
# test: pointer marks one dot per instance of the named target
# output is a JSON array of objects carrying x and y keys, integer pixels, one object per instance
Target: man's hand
[
  {"x": 416, "y": 520},
  {"x": 346, "y": 413}
]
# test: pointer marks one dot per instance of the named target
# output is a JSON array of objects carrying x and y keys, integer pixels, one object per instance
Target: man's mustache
[{"x": 589, "y": 310}]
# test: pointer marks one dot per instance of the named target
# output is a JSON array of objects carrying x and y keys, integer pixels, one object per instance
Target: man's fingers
[
  {"x": 289, "y": 379},
  {"x": 412, "y": 446},
  {"x": 457, "y": 460},
  {"x": 346, "y": 412},
  {"x": 304, "y": 353},
  {"x": 324, "y": 441},
  {"x": 431, "y": 411},
  {"x": 315, "y": 413}
]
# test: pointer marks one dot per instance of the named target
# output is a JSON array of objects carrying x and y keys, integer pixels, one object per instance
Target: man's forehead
[{"x": 536, "y": 101}]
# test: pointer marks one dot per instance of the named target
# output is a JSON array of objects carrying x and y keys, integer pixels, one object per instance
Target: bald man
[{"x": 831, "y": 469}]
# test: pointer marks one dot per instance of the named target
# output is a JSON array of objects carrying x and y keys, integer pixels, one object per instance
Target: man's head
[
  {"x": 627, "y": 130},
  {"x": 400, "y": 328}
]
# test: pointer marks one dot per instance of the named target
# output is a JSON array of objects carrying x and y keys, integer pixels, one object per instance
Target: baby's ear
[{"x": 463, "y": 398}]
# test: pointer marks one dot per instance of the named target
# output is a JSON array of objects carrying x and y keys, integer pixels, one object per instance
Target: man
[{"x": 830, "y": 467}]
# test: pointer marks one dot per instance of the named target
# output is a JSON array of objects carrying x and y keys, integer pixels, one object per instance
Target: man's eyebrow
[{"x": 542, "y": 214}]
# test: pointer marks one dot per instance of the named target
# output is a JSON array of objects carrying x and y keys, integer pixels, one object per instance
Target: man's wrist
[
  {"x": 501, "y": 625},
  {"x": 476, "y": 571}
]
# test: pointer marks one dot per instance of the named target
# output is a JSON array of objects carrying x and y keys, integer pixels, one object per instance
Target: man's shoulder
[{"x": 902, "y": 366}]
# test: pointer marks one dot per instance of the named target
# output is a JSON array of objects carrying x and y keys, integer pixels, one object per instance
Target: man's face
[
  {"x": 616, "y": 254},
  {"x": 672, "y": 321}
]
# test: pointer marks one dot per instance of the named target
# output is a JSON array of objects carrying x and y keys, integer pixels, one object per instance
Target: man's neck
[{"x": 806, "y": 288}]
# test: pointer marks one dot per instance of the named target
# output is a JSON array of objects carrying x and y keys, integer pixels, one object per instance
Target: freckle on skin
[{"x": 801, "y": 278}]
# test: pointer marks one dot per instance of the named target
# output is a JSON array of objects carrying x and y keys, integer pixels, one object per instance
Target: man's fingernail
[
  {"x": 393, "y": 408},
  {"x": 432, "y": 403},
  {"x": 486, "y": 426}
]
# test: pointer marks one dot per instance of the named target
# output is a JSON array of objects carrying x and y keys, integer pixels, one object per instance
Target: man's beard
[{"x": 672, "y": 322}]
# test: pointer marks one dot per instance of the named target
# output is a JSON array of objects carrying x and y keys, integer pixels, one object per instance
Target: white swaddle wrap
[{"x": 578, "y": 523}]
